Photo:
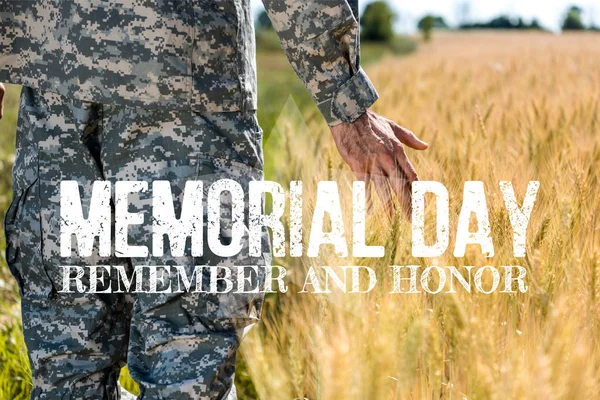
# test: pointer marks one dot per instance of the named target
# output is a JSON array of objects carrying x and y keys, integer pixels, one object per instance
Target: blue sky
[{"x": 548, "y": 12}]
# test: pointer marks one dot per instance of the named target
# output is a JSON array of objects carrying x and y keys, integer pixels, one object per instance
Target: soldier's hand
[
  {"x": 373, "y": 148},
  {"x": 2, "y": 91}
]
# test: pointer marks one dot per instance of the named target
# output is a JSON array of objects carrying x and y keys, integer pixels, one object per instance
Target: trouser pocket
[{"x": 24, "y": 243}]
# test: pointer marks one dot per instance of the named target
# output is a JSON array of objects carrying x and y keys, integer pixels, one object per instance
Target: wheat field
[{"x": 493, "y": 107}]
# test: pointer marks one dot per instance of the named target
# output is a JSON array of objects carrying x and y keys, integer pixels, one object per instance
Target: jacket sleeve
[{"x": 321, "y": 41}]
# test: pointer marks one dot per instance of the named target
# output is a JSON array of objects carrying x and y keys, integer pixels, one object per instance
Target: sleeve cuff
[{"x": 351, "y": 101}]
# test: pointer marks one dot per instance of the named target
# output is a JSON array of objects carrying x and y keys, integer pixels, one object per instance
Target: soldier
[{"x": 160, "y": 90}]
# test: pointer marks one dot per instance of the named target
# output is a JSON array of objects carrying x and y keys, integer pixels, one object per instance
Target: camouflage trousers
[{"x": 176, "y": 345}]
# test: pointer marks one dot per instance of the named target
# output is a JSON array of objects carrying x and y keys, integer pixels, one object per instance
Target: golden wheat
[{"x": 493, "y": 107}]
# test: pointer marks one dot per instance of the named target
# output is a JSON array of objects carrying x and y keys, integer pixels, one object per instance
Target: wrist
[{"x": 351, "y": 101}]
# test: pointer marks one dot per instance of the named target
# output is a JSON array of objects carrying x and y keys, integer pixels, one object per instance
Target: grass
[
  {"x": 493, "y": 106},
  {"x": 14, "y": 367}
]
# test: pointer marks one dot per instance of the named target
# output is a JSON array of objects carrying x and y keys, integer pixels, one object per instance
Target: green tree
[
  {"x": 438, "y": 22},
  {"x": 263, "y": 21},
  {"x": 426, "y": 25},
  {"x": 535, "y": 24},
  {"x": 573, "y": 20},
  {"x": 430, "y": 22},
  {"x": 377, "y": 22}
]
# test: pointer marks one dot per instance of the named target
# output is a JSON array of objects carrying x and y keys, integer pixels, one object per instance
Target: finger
[
  {"x": 410, "y": 176},
  {"x": 2, "y": 91},
  {"x": 370, "y": 208},
  {"x": 407, "y": 137},
  {"x": 372, "y": 170},
  {"x": 402, "y": 188},
  {"x": 399, "y": 182},
  {"x": 407, "y": 168},
  {"x": 383, "y": 190}
]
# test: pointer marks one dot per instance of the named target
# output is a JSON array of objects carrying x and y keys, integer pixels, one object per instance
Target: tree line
[{"x": 377, "y": 22}]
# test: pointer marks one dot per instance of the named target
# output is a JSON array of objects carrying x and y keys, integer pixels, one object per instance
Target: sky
[{"x": 548, "y": 12}]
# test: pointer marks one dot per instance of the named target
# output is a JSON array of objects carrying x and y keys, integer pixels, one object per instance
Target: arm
[{"x": 321, "y": 41}]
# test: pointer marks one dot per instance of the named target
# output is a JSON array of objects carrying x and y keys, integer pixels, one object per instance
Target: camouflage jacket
[{"x": 181, "y": 53}]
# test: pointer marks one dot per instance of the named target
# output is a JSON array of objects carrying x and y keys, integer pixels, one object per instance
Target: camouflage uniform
[{"x": 147, "y": 90}]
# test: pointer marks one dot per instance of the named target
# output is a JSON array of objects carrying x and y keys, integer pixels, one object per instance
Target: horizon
[{"x": 549, "y": 13}]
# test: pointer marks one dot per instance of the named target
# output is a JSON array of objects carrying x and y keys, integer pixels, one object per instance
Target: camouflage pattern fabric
[
  {"x": 177, "y": 345},
  {"x": 197, "y": 54}
]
